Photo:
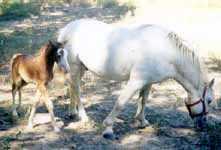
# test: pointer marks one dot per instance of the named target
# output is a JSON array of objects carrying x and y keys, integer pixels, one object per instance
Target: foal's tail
[{"x": 12, "y": 61}]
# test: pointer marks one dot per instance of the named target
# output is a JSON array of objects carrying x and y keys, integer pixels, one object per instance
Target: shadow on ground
[
  {"x": 28, "y": 35},
  {"x": 170, "y": 128}
]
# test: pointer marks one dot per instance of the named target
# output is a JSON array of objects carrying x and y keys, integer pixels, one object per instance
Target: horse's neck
[{"x": 195, "y": 92}]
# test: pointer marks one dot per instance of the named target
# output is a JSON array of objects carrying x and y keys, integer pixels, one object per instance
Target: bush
[
  {"x": 107, "y": 3},
  {"x": 16, "y": 10}
]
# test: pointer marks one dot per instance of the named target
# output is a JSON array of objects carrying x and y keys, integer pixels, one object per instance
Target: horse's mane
[
  {"x": 188, "y": 54},
  {"x": 185, "y": 50}
]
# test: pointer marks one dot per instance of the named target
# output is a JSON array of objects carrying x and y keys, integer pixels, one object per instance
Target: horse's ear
[
  {"x": 65, "y": 42},
  {"x": 211, "y": 83}
]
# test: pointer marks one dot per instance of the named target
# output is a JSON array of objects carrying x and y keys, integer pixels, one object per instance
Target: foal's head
[{"x": 55, "y": 52}]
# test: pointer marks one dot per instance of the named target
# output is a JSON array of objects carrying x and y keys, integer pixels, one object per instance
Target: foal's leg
[
  {"x": 19, "y": 97},
  {"x": 23, "y": 83},
  {"x": 126, "y": 94},
  {"x": 33, "y": 109},
  {"x": 140, "y": 115},
  {"x": 17, "y": 87},
  {"x": 49, "y": 106},
  {"x": 76, "y": 106},
  {"x": 14, "y": 90}
]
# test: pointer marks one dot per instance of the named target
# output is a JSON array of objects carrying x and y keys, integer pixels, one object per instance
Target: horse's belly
[
  {"x": 108, "y": 52},
  {"x": 107, "y": 66}
]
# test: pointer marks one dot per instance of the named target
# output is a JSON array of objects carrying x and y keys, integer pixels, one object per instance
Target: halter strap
[
  {"x": 201, "y": 100},
  {"x": 204, "y": 92}
]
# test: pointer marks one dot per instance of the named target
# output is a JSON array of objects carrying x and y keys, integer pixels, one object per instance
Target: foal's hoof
[
  {"x": 72, "y": 117},
  {"x": 29, "y": 127},
  {"x": 110, "y": 136}
]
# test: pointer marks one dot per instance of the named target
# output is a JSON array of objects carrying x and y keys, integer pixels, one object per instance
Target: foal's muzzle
[{"x": 63, "y": 69}]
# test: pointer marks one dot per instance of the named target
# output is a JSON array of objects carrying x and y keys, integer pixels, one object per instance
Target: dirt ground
[{"x": 171, "y": 127}]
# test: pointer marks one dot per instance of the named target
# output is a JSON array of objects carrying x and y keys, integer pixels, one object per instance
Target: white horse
[{"x": 142, "y": 55}]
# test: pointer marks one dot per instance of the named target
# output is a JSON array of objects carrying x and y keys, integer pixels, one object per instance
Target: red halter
[{"x": 201, "y": 100}]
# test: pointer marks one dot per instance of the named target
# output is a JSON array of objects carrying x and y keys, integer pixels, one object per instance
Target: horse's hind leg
[
  {"x": 126, "y": 94},
  {"x": 140, "y": 115},
  {"x": 76, "y": 106}
]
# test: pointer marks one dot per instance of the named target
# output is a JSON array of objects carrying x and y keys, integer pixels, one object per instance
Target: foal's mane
[{"x": 43, "y": 49}]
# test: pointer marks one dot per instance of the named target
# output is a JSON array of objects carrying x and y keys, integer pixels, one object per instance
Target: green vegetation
[
  {"x": 107, "y": 3},
  {"x": 27, "y": 41},
  {"x": 16, "y": 10}
]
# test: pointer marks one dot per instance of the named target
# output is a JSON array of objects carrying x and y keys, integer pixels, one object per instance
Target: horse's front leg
[
  {"x": 140, "y": 115},
  {"x": 131, "y": 87},
  {"x": 76, "y": 106}
]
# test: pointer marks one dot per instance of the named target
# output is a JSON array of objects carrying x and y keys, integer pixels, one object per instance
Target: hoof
[
  {"x": 29, "y": 127},
  {"x": 57, "y": 129},
  {"x": 84, "y": 119},
  {"x": 138, "y": 123},
  {"x": 144, "y": 125},
  {"x": 14, "y": 113},
  {"x": 72, "y": 117},
  {"x": 110, "y": 136}
]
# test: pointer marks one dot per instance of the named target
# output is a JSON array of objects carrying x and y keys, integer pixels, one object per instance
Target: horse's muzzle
[{"x": 200, "y": 122}]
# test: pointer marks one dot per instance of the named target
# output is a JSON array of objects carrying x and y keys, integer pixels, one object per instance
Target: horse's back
[
  {"x": 83, "y": 26},
  {"x": 111, "y": 52}
]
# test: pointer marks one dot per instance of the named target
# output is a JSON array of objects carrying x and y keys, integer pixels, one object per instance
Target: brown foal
[{"x": 39, "y": 70}]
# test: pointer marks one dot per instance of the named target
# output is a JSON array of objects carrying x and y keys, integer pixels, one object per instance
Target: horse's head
[
  {"x": 59, "y": 54},
  {"x": 199, "y": 109}
]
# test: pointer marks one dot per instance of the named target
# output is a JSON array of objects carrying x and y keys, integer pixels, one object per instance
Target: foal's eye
[{"x": 58, "y": 56}]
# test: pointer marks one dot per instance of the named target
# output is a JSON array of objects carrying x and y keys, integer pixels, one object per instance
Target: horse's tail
[
  {"x": 12, "y": 61},
  {"x": 62, "y": 35},
  {"x": 66, "y": 33}
]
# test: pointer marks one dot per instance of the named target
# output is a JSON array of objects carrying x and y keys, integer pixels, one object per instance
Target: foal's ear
[
  {"x": 50, "y": 42},
  {"x": 211, "y": 83},
  {"x": 60, "y": 44}
]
